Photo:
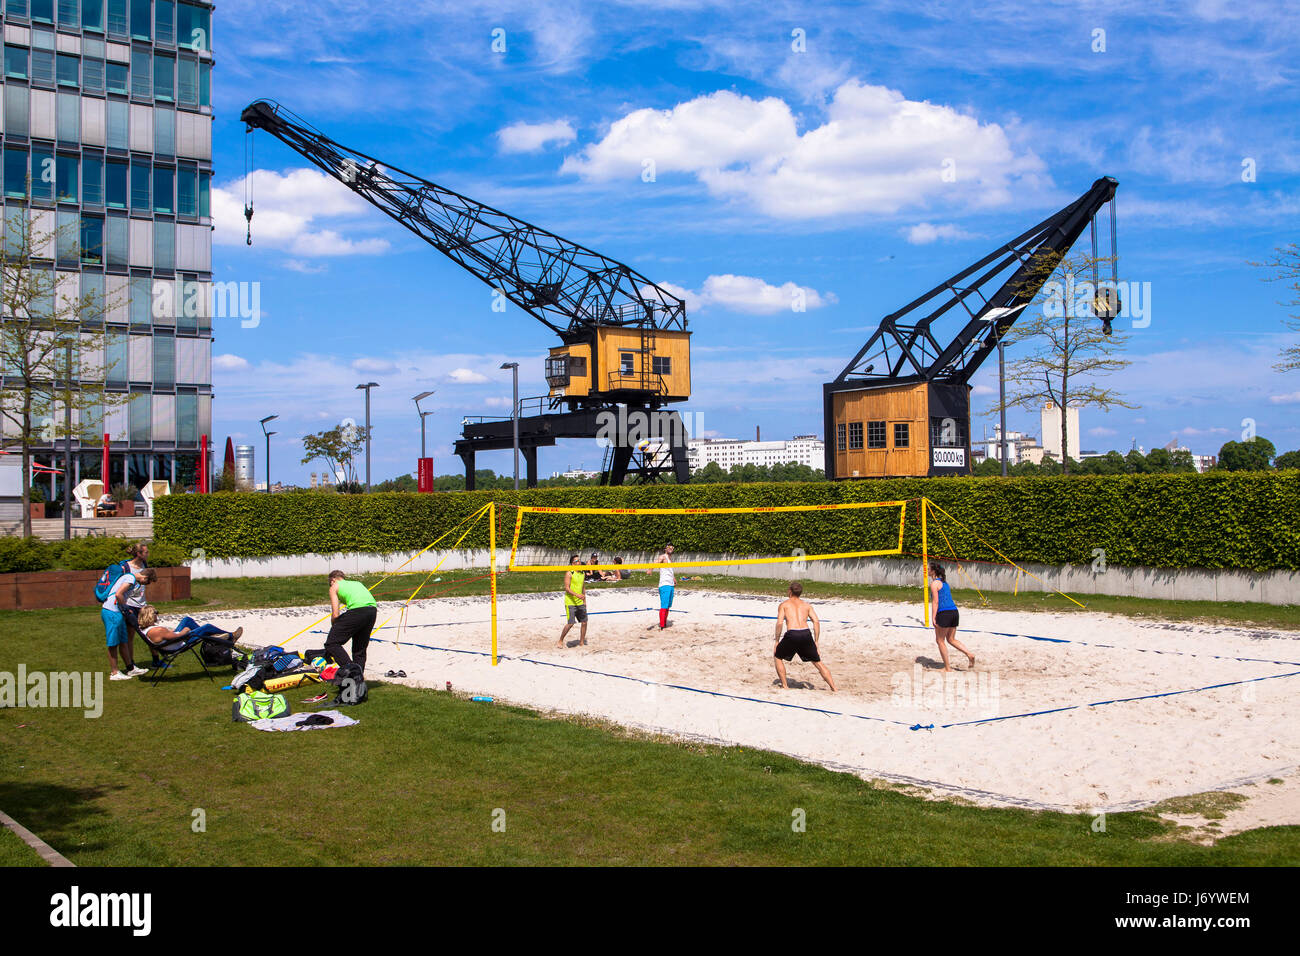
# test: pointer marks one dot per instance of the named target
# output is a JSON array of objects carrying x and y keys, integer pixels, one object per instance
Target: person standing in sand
[
  {"x": 575, "y": 601},
  {"x": 943, "y": 612},
  {"x": 794, "y": 615},
  {"x": 667, "y": 584}
]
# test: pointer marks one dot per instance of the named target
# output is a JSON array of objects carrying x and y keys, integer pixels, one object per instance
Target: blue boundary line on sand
[{"x": 1114, "y": 647}]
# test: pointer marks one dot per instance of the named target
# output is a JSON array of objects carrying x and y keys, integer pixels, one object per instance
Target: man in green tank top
[{"x": 352, "y": 611}]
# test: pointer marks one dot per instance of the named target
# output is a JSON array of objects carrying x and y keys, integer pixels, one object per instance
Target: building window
[
  {"x": 92, "y": 15},
  {"x": 42, "y": 174},
  {"x": 115, "y": 242},
  {"x": 43, "y": 10},
  {"x": 141, "y": 19},
  {"x": 92, "y": 181},
  {"x": 118, "y": 127},
  {"x": 115, "y": 357},
  {"x": 140, "y": 176},
  {"x": 92, "y": 76},
  {"x": 69, "y": 70},
  {"x": 875, "y": 434},
  {"x": 65, "y": 180},
  {"x": 69, "y": 13},
  {"x": 187, "y": 417},
  {"x": 661, "y": 364},
  {"x": 117, "y": 78},
  {"x": 162, "y": 189},
  {"x": 855, "y": 436},
  {"x": 116, "y": 183},
  {"x": 902, "y": 437},
  {"x": 187, "y": 81},
  {"x": 164, "y": 131},
  {"x": 577, "y": 365},
  {"x": 187, "y": 204},
  {"x": 141, "y": 74},
  {"x": 117, "y": 18},
  {"x": 141, "y": 416},
  {"x": 205, "y": 84},
  {"x": 164, "y": 361},
  {"x": 69, "y": 117},
  {"x": 43, "y": 67},
  {"x": 947, "y": 433},
  {"x": 16, "y": 109},
  {"x": 16, "y": 8},
  {"x": 164, "y": 22},
  {"x": 193, "y": 27},
  {"x": 92, "y": 240},
  {"x": 627, "y": 363},
  {"x": 15, "y": 62},
  {"x": 164, "y": 245},
  {"x": 841, "y": 437},
  {"x": 205, "y": 189},
  {"x": 67, "y": 235},
  {"x": 141, "y": 302},
  {"x": 164, "y": 74},
  {"x": 16, "y": 173}
]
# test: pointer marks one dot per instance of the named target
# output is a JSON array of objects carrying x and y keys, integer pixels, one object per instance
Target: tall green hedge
[{"x": 1244, "y": 520}]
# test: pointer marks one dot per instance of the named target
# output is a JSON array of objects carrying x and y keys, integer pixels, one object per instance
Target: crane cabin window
[
  {"x": 855, "y": 436},
  {"x": 875, "y": 434},
  {"x": 627, "y": 363},
  {"x": 661, "y": 365},
  {"x": 841, "y": 437},
  {"x": 902, "y": 436}
]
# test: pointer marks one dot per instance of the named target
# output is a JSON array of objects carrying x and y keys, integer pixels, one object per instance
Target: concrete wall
[{"x": 1272, "y": 587}]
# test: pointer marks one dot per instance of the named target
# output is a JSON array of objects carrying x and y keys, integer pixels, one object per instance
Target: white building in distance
[
  {"x": 729, "y": 453},
  {"x": 1050, "y": 419}
]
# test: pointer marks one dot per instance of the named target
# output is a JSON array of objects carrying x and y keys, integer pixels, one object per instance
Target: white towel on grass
[{"x": 292, "y": 722}]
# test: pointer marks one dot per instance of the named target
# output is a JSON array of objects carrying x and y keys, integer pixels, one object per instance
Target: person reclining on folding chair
[{"x": 158, "y": 635}]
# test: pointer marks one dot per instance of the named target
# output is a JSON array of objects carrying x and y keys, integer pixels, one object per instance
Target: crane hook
[{"x": 248, "y": 215}]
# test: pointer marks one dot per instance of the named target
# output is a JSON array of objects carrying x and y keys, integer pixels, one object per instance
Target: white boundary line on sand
[{"x": 47, "y": 853}]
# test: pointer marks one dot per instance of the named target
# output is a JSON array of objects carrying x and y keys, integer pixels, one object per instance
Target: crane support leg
[
  {"x": 530, "y": 460},
  {"x": 467, "y": 456}
]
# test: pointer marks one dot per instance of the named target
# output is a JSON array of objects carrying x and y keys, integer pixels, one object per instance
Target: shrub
[
  {"x": 1185, "y": 520},
  {"x": 18, "y": 555}
]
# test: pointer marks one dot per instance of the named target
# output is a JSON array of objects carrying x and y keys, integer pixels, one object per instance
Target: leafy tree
[
  {"x": 1067, "y": 348},
  {"x": 1288, "y": 459},
  {"x": 1252, "y": 455},
  {"x": 51, "y": 340},
  {"x": 338, "y": 447}
]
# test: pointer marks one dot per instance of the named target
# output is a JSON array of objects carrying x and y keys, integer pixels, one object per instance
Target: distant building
[
  {"x": 1203, "y": 463},
  {"x": 244, "y": 464},
  {"x": 1020, "y": 448},
  {"x": 729, "y": 453},
  {"x": 1050, "y": 418}
]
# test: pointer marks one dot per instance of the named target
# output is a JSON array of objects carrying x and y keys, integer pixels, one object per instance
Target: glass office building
[{"x": 107, "y": 145}]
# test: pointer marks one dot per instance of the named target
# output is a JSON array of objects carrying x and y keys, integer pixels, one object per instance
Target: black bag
[
  {"x": 216, "y": 655},
  {"x": 352, "y": 686}
]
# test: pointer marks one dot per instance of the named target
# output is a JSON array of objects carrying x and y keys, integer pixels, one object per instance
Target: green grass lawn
[{"x": 419, "y": 781}]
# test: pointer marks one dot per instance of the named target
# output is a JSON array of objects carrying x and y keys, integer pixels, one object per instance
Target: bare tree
[
  {"x": 1067, "y": 347},
  {"x": 1285, "y": 264},
  {"x": 49, "y": 338}
]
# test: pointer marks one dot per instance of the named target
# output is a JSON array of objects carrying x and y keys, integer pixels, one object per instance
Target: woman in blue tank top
[{"x": 943, "y": 612}]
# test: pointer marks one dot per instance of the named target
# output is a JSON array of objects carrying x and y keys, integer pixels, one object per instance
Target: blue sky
[{"x": 796, "y": 146}]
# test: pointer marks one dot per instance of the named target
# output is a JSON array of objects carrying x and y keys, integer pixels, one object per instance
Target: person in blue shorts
[
  {"x": 115, "y": 629},
  {"x": 943, "y": 612}
]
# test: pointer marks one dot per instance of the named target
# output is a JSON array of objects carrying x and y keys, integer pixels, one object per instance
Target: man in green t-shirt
[{"x": 352, "y": 611}]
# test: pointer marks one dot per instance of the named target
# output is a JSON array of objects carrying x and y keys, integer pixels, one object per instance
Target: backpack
[
  {"x": 256, "y": 705},
  {"x": 218, "y": 655},
  {"x": 104, "y": 586},
  {"x": 352, "y": 686}
]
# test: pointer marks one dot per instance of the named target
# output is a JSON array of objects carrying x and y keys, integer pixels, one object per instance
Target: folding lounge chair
[{"x": 169, "y": 651}]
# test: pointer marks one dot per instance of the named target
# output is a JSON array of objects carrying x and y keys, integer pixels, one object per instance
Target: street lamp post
[
  {"x": 1002, "y": 402},
  {"x": 366, "y": 388},
  {"x": 514, "y": 415},
  {"x": 419, "y": 398},
  {"x": 268, "y": 435}
]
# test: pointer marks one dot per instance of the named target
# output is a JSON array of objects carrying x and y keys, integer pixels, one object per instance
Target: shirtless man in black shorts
[{"x": 794, "y": 613}]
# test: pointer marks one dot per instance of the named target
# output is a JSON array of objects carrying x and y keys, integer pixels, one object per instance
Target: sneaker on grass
[
  {"x": 119, "y": 676},
  {"x": 136, "y": 671}
]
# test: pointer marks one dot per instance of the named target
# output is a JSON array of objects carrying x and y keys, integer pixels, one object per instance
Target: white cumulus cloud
[
  {"x": 230, "y": 363},
  {"x": 534, "y": 137},
  {"x": 927, "y": 232},
  {"x": 465, "y": 376},
  {"x": 287, "y": 213},
  {"x": 1290, "y": 398},
  {"x": 876, "y": 152},
  {"x": 750, "y": 294}
]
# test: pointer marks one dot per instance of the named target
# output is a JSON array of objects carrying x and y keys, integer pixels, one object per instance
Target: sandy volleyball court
[{"x": 1062, "y": 711}]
